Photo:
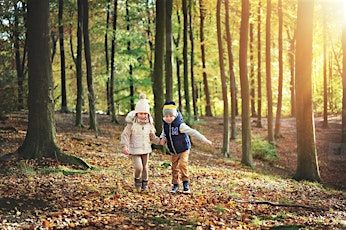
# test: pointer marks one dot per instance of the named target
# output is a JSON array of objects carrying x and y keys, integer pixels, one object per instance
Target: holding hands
[{"x": 125, "y": 150}]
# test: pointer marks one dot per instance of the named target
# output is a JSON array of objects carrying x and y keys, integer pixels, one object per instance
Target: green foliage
[{"x": 263, "y": 150}]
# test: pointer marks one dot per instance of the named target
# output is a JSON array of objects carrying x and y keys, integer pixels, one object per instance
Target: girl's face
[
  {"x": 142, "y": 116},
  {"x": 169, "y": 118}
]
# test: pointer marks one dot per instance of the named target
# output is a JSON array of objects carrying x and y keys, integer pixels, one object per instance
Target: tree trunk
[
  {"x": 307, "y": 164},
  {"x": 279, "y": 105},
  {"x": 178, "y": 61},
  {"x": 64, "y": 108},
  {"x": 291, "y": 56},
  {"x": 325, "y": 80},
  {"x": 252, "y": 73},
  {"x": 169, "y": 52},
  {"x": 111, "y": 84},
  {"x": 91, "y": 95},
  {"x": 107, "y": 60},
  {"x": 192, "y": 58},
  {"x": 268, "y": 75},
  {"x": 225, "y": 146},
  {"x": 205, "y": 79},
  {"x": 232, "y": 75},
  {"x": 244, "y": 83},
  {"x": 185, "y": 62},
  {"x": 343, "y": 131},
  {"x": 259, "y": 68},
  {"x": 159, "y": 64},
  {"x": 79, "y": 103},
  {"x": 40, "y": 139}
]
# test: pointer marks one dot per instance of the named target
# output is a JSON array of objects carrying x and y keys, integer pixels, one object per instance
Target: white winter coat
[{"x": 138, "y": 136}]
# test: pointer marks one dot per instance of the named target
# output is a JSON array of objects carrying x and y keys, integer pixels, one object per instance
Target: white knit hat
[{"x": 142, "y": 105}]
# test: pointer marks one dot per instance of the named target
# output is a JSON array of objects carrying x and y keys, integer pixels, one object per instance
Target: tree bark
[
  {"x": 159, "y": 63},
  {"x": 233, "y": 86},
  {"x": 185, "y": 61},
  {"x": 40, "y": 139},
  {"x": 259, "y": 68},
  {"x": 244, "y": 83},
  {"x": 268, "y": 75},
  {"x": 225, "y": 146},
  {"x": 169, "y": 52},
  {"x": 307, "y": 164},
  {"x": 205, "y": 78}
]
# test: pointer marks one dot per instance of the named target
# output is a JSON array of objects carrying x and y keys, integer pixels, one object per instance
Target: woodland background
[{"x": 130, "y": 47}]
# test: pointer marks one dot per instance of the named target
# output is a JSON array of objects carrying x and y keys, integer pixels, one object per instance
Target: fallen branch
[{"x": 281, "y": 204}]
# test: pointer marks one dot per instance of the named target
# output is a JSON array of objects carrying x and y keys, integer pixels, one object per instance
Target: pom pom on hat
[
  {"x": 142, "y": 105},
  {"x": 170, "y": 108}
]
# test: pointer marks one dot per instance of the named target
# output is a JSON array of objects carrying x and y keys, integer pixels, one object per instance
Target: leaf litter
[{"x": 225, "y": 195}]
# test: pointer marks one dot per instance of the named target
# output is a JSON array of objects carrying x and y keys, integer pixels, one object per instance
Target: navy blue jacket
[{"x": 177, "y": 142}]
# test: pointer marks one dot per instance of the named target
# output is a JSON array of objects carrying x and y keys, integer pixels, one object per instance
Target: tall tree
[
  {"x": 169, "y": 52},
  {"x": 111, "y": 80},
  {"x": 225, "y": 146},
  {"x": 91, "y": 95},
  {"x": 325, "y": 80},
  {"x": 192, "y": 61},
  {"x": 185, "y": 60},
  {"x": 277, "y": 132},
  {"x": 252, "y": 72},
  {"x": 178, "y": 59},
  {"x": 268, "y": 74},
  {"x": 244, "y": 85},
  {"x": 40, "y": 139},
  {"x": 259, "y": 67},
  {"x": 202, "y": 13},
  {"x": 78, "y": 62},
  {"x": 159, "y": 63},
  {"x": 343, "y": 131},
  {"x": 307, "y": 164},
  {"x": 231, "y": 72},
  {"x": 64, "y": 108}
]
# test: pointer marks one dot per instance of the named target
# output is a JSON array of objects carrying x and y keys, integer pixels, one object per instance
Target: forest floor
[{"x": 225, "y": 194}]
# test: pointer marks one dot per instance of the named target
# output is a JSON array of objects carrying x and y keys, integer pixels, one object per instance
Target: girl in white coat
[{"x": 136, "y": 140}]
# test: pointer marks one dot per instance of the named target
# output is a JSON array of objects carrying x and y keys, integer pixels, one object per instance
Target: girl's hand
[
  {"x": 126, "y": 150},
  {"x": 163, "y": 141}
]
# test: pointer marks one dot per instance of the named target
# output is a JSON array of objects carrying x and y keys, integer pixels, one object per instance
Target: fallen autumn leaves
[{"x": 225, "y": 195}]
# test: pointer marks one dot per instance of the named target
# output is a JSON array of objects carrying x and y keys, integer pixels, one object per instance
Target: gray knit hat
[{"x": 170, "y": 108}]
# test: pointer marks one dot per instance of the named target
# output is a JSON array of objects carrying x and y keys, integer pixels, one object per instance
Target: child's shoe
[
  {"x": 145, "y": 187},
  {"x": 186, "y": 187},
  {"x": 138, "y": 184},
  {"x": 175, "y": 188}
]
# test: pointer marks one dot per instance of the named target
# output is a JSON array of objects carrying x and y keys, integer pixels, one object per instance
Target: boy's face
[{"x": 169, "y": 118}]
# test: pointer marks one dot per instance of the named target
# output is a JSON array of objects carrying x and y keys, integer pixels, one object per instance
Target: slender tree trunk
[
  {"x": 232, "y": 75},
  {"x": 192, "y": 61},
  {"x": 40, "y": 139},
  {"x": 159, "y": 63},
  {"x": 185, "y": 61},
  {"x": 325, "y": 86},
  {"x": 268, "y": 75},
  {"x": 205, "y": 79},
  {"x": 178, "y": 61},
  {"x": 225, "y": 146},
  {"x": 169, "y": 52},
  {"x": 64, "y": 108},
  {"x": 111, "y": 83},
  {"x": 279, "y": 105},
  {"x": 291, "y": 56},
  {"x": 91, "y": 95},
  {"x": 132, "y": 91},
  {"x": 107, "y": 59},
  {"x": 252, "y": 73},
  {"x": 80, "y": 100},
  {"x": 19, "y": 67},
  {"x": 259, "y": 68},
  {"x": 343, "y": 115},
  {"x": 244, "y": 83},
  {"x": 307, "y": 164}
]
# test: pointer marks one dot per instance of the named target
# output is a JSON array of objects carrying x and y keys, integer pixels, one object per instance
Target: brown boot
[
  {"x": 145, "y": 187},
  {"x": 138, "y": 184}
]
